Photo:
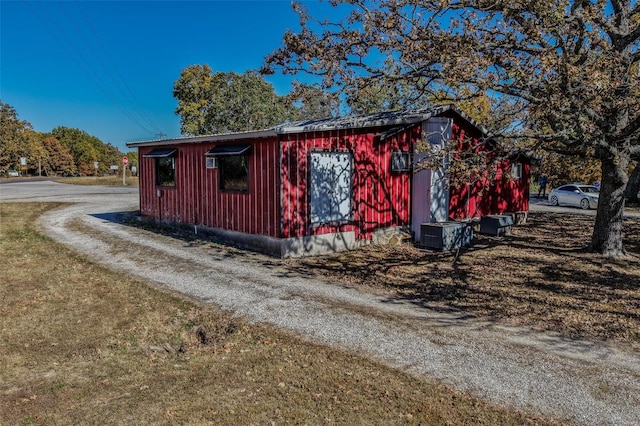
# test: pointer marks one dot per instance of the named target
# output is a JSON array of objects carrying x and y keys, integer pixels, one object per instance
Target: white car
[{"x": 583, "y": 196}]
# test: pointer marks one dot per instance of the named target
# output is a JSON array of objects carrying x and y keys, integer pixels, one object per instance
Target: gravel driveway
[{"x": 576, "y": 381}]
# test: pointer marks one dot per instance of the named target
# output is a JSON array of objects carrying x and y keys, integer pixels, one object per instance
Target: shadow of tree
[{"x": 541, "y": 276}]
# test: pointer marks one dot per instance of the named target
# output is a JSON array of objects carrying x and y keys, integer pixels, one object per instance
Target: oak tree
[
  {"x": 223, "y": 102},
  {"x": 569, "y": 65},
  {"x": 58, "y": 160},
  {"x": 85, "y": 148},
  {"x": 15, "y": 137},
  {"x": 633, "y": 186},
  {"x": 310, "y": 102}
]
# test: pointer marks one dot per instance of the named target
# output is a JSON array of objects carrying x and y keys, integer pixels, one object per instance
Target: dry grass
[
  {"x": 80, "y": 344},
  {"x": 542, "y": 276},
  {"x": 99, "y": 180}
]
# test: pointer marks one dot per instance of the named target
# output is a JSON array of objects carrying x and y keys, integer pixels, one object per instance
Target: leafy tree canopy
[
  {"x": 311, "y": 102},
  {"x": 58, "y": 159},
  {"x": 568, "y": 66},
  {"x": 15, "y": 137},
  {"x": 222, "y": 102}
]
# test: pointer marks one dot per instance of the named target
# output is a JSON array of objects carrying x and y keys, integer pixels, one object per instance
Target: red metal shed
[{"x": 321, "y": 185}]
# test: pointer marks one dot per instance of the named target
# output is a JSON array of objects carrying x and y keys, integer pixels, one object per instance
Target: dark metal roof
[
  {"x": 381, "y": 119},
  {"x": 222, "y": 150},
  {"x": 226, "y": 137},
  {"x": 393, "y": 131},
  {"x": 160, "y": 152}
]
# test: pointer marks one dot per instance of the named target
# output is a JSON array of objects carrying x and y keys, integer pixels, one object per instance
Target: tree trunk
[
  {"x": 633, "y": 186},
  {"x": 607, "y": 231}
]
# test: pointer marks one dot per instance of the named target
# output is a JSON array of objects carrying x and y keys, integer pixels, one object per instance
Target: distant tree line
[{"x": 61, "y": 152}]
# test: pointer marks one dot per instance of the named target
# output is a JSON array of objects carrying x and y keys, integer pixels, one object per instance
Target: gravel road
[{"x": 576, "y": 381}]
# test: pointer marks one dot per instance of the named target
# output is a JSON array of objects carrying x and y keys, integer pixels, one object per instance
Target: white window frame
[
  {"x": 516, "y": 170},
  {"x": 212, "y": 163}
]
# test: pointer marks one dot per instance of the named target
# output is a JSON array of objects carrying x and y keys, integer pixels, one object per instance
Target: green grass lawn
[{"x": 81, "y": 344}]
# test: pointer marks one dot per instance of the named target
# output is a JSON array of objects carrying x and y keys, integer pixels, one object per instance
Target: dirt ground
[
  {"x": 421, "y": 312},
  {"x": 83, "y": 344},
  {"x": 542, "y": 276}
]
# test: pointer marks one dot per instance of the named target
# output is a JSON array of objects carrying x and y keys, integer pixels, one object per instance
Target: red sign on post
[{"x": 125, "y": 161}]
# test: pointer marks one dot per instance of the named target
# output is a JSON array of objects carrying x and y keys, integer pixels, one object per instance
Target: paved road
[
  {"x": 543, "y": 205},
  {"x": 541, "y": 373}
]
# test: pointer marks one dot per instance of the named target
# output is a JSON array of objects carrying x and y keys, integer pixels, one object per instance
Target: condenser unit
[
  {"x": 498, "y": 225},
  {"x": 445, "y": 235}
]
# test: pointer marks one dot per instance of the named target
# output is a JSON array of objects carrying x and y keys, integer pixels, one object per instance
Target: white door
[{"x": 429, "y": 191}]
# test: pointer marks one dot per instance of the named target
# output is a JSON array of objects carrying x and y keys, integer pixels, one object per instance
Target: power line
[
  {"x": 84, "y": 65},
  {"x": 114, "y": 66},
  {"x": 105, "y": 69}
]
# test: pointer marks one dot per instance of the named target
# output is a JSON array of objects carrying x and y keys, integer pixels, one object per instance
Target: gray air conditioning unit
[
  {"x": 497, "y": 225},
  {"x": 445, "y": 235}
]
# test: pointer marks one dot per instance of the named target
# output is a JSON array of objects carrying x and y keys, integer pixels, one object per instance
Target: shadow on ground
[{"x": 541, "y": 276}]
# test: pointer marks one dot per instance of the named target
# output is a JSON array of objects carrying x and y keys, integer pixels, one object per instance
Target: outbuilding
[{"x": 326, "y": 185}]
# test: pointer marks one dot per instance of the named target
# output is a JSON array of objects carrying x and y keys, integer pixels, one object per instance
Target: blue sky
[{"x": 108, "y": 68}]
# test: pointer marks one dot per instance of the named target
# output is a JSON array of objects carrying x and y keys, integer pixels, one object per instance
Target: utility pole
[{"x": 161, "y": 135}]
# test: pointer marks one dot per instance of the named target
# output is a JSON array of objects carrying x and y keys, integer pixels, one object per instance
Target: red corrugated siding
[
  {"x": 277, "y": 204},
  {"x": 196, "y": 198},
  {"x": 485, "y": 198},
  {"x": 510, "y": 195},
  {"x": 380, "y": 197}
]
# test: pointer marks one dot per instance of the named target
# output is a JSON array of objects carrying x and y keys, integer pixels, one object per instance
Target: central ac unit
[{"x": 445, "y": 235}]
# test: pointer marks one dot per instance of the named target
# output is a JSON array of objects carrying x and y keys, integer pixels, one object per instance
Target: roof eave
[
  {"x": 360, "y": 125},
  {"x": 208, "y": 138},
  {"x": 387, "y": 119}
]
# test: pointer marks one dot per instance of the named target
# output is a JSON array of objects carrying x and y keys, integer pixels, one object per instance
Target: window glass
[
  {"x": 589, "y": 189},
  {"x": 234, "y": 173},
  {"x": 165, "y": 171},
  {"x": 400, "y": 161},
  {"x": 516, "y": 170}
]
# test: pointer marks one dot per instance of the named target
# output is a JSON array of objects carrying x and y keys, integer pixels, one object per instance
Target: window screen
[
  {"x": 516, "y": 170},
  {"x": 331, "y": 184},
  {"x": 165, "y": 171},
  {"x": 165, "y": 165},
  {"x": 232, "y": 161},
  {"x": 234, "y": 173}
]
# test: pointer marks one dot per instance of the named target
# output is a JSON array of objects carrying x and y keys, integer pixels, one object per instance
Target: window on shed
[
  {"x": 331, "y": 183},
  {"x": 165, "y": 165},
  {"x": 232, "y": 162},
  {"x": 234, "y": 173},
  {"x": 516, "y": 170},
  {"x": 166, "y": 171},
  {"x": 400, "y": 161}
]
